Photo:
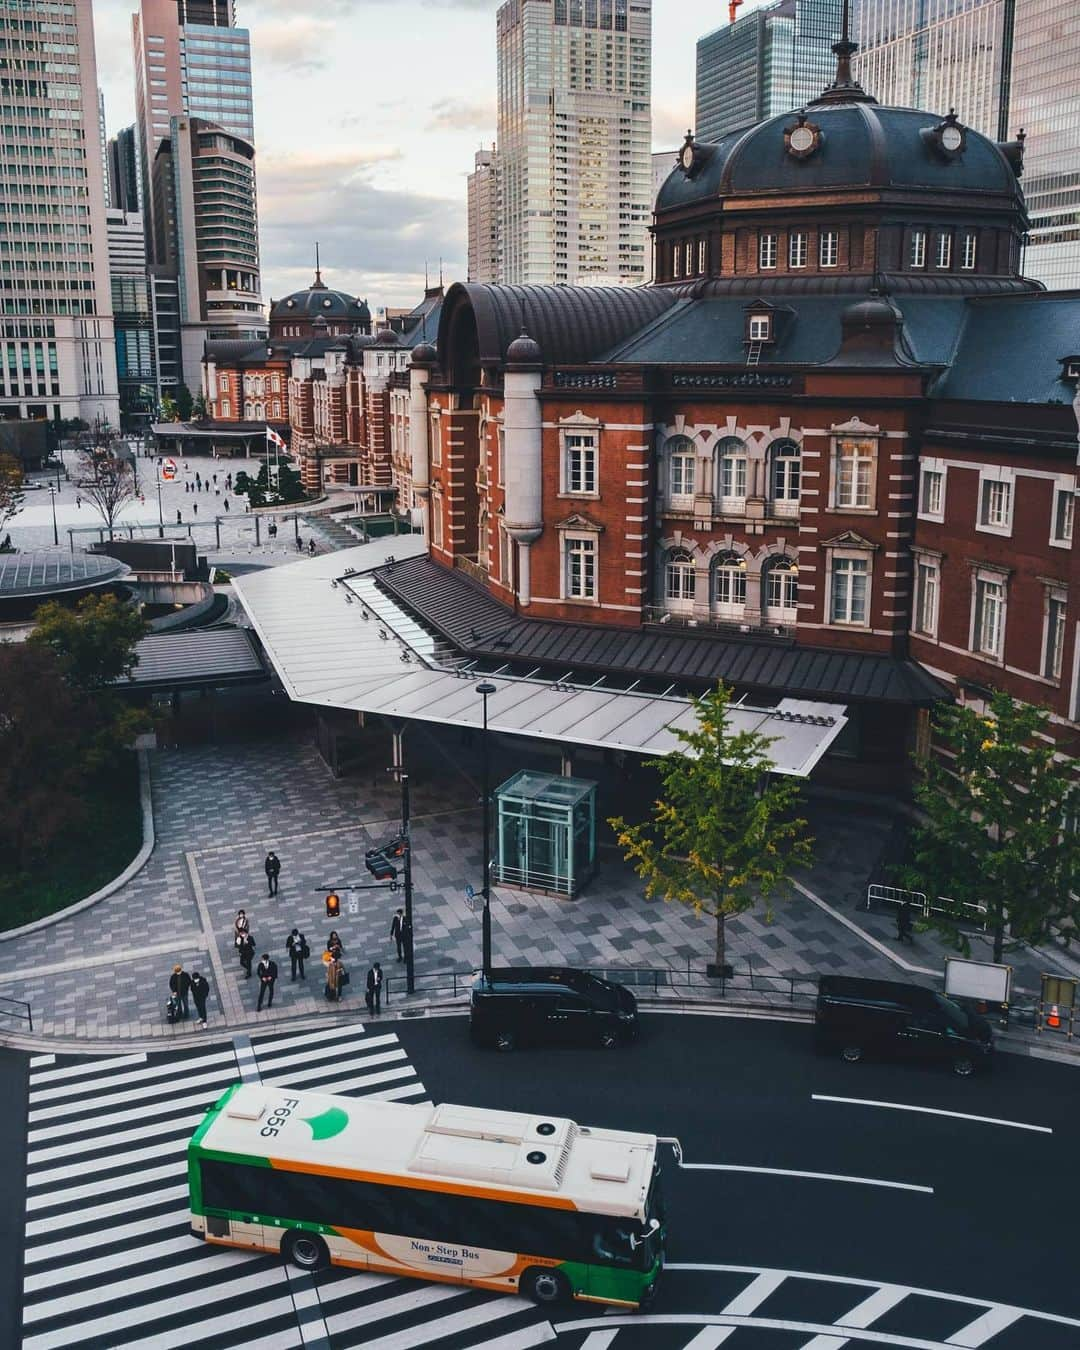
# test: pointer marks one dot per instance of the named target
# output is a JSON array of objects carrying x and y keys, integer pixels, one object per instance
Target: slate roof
[
  {"x": 320, "y": 301},
  {"x": 1011, "y": 348},
  {"x": 478, "y": 625},
  {"x": 210, "y": 656}
]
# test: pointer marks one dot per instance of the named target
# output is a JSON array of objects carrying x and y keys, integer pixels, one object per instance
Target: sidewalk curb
[{"x": 110, "y": 888}]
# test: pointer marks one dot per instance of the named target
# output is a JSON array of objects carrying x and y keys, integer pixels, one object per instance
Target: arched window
[
  {"x": 731, "y": 453},
  {"x": 729, "y": 586},
  {"x": 785, "y": 460},
  {"x": 780, "y": 587},
  {"x": 679, "y": 577},
  {"x": 249, "y": 412},
  {"x": 681, "y": 460}
]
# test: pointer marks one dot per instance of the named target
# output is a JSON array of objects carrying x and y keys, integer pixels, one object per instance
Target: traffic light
[
  {"x": 378, "y": 860},
  {"x": 333, "y": 906}
]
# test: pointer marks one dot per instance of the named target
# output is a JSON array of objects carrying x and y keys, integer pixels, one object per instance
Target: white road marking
[
  {"x": 932, "y": 1111},
  {"x": 36, "y": 1060},
  {"x": 983, "y": 1328},
  {"x": 755, "y": 1294},
  {"x": 395, "y": 1094},
  {"x": 808, "y": 1176},
  {"x": 103, "y": 1265},
  {"x": 84, "y": 1192},
  {"x": 174, "y": 1070},
  {"x": 82, "y": 1069},
  {"x": 134, "y": 1095},
  {"x": 148, "y": 1130},
  {"x": 449, "y": 1324},
  {"x": 867, "y": 1312},
  {"x": 265, "y": 1049},
  {"x": 48, "y": 1176},
  {"x": 826, "y": 1343},
  {"x": 538, "y": 1334},
  {"x": 708, "y": 1338},
  {"x": 598, "y": 1340},
  {"x": 723, "y": 1320},
  {"x": 38, "y": 1227},
  {"x": 421, "y": 1297},
  {"x": 316, "y": 1074},
  {"x": 52, "y": 1251},
  {"x": 211, "y": 1329}
]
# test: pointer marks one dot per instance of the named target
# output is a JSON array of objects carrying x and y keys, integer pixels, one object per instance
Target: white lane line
[
  {"x": 708, "y": 1338},
  {"x": 932, "y": 1111},
  {"x": 807, "y": 1176},
  {"x": 985, "y": 1327},
  {"x": 712, "y": 1268},
  {"x": 755, "y": 1294},
  {"x": 449, "y": 1324},
  {"x": 39, "y": 1227},
  {"x": 723, "y": 1320},
  {"x": 101, "y": 1265},
  {"x": 108, "y": 1236},
  {"x": 174, "y": 1070},
  {"x": 80, "y": 1070}
]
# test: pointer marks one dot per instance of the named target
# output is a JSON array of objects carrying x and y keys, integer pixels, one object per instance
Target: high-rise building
[
  {"x": 123, "y": 165},
  {"x": 56, "y": 326},
  {"x": 483, "y": 192},
  {"x": 214, "y": 239},
  {"x": 573, "y": 135},
  {"x": 190, "y": 60},
  {"x": 1002, "y": 65},
  {"x": 767, "y": 62},
  {"x": 133, "y": 321}
]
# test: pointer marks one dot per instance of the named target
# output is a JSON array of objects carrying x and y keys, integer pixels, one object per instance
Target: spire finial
[
  {"x": 318, "y": 283},
  {"x": 844, "y": 86}
]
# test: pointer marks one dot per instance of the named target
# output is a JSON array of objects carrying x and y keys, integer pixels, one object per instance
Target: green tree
[
  {"x": 169, "y": 411},
  {"x": 11, "y": 488},
  {"x": 183, "y": 403},
  {"x": 723, "y": 833},
  {"x": 199, "y": 409},
  {"x": 94, "y": 643},
  {"x": 1001, "y": 824},
  {"x": 271, "y": 486}
]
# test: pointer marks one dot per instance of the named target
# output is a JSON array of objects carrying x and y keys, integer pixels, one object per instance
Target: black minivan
[
  {"x": 550, "y": 1005},
  {"x": 857, "y": 1017}
]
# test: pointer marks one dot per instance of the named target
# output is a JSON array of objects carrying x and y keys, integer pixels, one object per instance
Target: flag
[{"x": 272, "y": 438}]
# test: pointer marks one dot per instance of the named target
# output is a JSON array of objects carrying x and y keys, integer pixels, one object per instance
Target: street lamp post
[
  {"x": 55, "y": 533},
  {"x": 161, "y": 518},
  {"x": 485, "y": 690},
  {"x": 410, "y": 980}
]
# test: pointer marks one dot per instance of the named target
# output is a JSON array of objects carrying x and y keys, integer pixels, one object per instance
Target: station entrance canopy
[{"x": 337, "y": 640}]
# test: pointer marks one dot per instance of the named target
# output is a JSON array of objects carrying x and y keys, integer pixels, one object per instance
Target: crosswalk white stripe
[
  {"x": 83, "y": 1069},
  {"x": 755, "y": 1293},
  {"x": 449, "y": 1324},
  {"x": 169, "y": 1147},
  {"x": 983, "y": 1328},
  {"x": 395, "y": 1094},
  {"x": 265, "y": 1046},
  {"x": 708, "y": 1338},
  {"x": 107, "y": 1236},
  {"x": 35, "y": 1060},
  {"x": 197, "y": 1331},
  {"x": 38, "y": 1156},
  {"x": 826, "y": 1343},
  {"x": 136, "y": 1094},
  {"x": 360, "y": 1283},
  {"x": 297, "y": 1077},
  {"x": 540, "y": 1333},
  {"x": 100, "y": 1265},
  {"x": 36, "y": 1227},
  {"x": 303, "y": 1047},
  {"x": 141, "y": 1113},
  {"x": 383, "y": 1076},
  {"x": 300, "y": 1062},
  {"x": 140, "y": 1075},
  {"x": 423, "y": 1296},
  {"x": 74, "y": 1193},
  {"x": 599, "y": 1340},
  {"x": 867, "y": 1312}
]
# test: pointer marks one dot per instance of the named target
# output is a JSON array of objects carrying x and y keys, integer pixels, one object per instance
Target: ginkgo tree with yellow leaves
[{"x": 725, "y": 833}]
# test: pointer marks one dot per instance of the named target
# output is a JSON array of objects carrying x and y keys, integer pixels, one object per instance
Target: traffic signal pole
[{"x": 410, "y": 981}]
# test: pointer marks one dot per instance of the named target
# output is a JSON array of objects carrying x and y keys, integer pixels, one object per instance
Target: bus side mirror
[{"x": 635, "y": 1242}]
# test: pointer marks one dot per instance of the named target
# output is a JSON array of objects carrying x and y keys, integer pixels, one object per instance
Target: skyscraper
[
  {"x": 123, "y": 164},
  {"x": 190, "y": 60},
  {"x": 573, "y": 134},
  {"x": 132, "y": 317},
  {"x": 483, "y": 197},
  {"x": 1003, "y": 65},
  {"x": 764, "y": 63},
  {"x": 56, "y": 325}
]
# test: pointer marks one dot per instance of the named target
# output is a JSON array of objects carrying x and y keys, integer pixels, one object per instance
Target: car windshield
[
  {"x": 954, "y": 1014},
  {"x": 602, "y": 994}
]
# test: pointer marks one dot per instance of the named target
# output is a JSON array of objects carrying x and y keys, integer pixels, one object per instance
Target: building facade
[
  {"x": 133, "y": 318},
  {"x": 56, "y": 324},
  {"x": 1003, "y": 65},
  {"x": 767, "y": 62},
  {"x": 483, "y": 223},
  {"x": 830, "y": 454},
  {"x": 574, "y": 126},
  {"x": 123, "y": 168}
]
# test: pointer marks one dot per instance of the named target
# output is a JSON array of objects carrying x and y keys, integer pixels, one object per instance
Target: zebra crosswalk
[{"x": 109, "y": 1259}]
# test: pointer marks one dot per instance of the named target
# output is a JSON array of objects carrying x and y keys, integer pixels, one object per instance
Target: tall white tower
[{"x": 574, "y": 137}]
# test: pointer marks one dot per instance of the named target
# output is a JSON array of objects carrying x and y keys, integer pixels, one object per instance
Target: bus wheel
[
  {"x": 963, "y": 1067},
  {"x": 545, "y": 1286},
  {"x": 851, "y": 1054},
  {"x": 504, "y": 1041},
  {"x": 305, "y": 1250}
]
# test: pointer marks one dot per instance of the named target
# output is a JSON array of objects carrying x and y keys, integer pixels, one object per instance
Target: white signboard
[{"x": 977, "y": 979}]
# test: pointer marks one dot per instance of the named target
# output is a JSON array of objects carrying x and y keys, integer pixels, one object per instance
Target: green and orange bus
[{"x": 504, "y": 1201}]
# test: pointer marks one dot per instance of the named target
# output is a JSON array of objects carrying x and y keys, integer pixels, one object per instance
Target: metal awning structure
[
  {"x": 339, "y": 641},
  {"x": 200, "y": 659}
]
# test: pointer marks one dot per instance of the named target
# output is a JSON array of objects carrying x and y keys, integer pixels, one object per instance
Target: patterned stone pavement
[{"x": 103, "y": 973}]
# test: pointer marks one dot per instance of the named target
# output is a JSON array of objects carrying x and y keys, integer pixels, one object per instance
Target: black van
[
  {"x": 857, "y": 1017},
  {"x": 550, "y": 1005}
]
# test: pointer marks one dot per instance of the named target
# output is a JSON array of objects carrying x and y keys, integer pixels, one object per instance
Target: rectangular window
[
  {"x": 681, "y": 474},
  {"x": 943, "y": 255},
  {"x": 688, "y": 259},
  {"x": 829, "y": 248},
  {"x": 226, "y": 408},
  {"x": 1054, "y": 644},
  {"x": 581, "y": 462},
  {"x": 760, "y": 326},
  {"x": 676, "y": 262},
  {"x": 1064, "y": 509},
  {"x": 733, "y": 478},
  {"x": 926, "y": 597},
  {"x": 917, "y": 256},
  {"x": 436, "y": 443},
  {"x": 995, "y": 507},
  {"x": 854, "y": 473},
  {"x": 581, "y": 569},
  {"x": 969, "y": 251},
  {"x": 506, "y": 558},
  {"x": 701, "y": 256},
  {"x": 932, "y": 493},
  {"x": 767, "y": 252},
  {"x": 500, "y": 455},
  {"x": 850, "y": 578},
  {"x": 436, "y": 522},
  {"x": 797, "y": 249},
  {"x": 989, "y": 616}
]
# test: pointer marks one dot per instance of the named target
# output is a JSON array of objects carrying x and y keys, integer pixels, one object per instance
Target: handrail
[{"x": 26, "y": 1016}]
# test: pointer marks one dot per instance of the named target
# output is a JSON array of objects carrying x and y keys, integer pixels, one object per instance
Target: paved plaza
[{"x": 102, "y": 973}]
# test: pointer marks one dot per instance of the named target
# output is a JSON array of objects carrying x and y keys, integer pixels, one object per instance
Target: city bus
[{"x": 535, "y": 1205}]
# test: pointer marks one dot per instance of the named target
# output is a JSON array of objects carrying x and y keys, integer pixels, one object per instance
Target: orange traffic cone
[{"x": 1053, "y": 1017}]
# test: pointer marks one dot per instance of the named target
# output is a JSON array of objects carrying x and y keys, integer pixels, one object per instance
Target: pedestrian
[
  {"x": 215, "y": 480},
  {"x": 296, "y": 944},
  {"x": 200, "y": 987},
  {"x": 272, "y": 530},
  {"x": 397, "y": 932},
  {"x": 226, "y": 503},
  {"x": 78, "y": 503},
  {"x": 247, "y": 954},
  {"x": 903, "y": 923},
  {"x": 179, "y": 984},
  {"x": 241, "y": 927},
  {"x": 299, "y": 544},
  {"x": 334, "y": 945},
  {"x": 334, "y": 972},
  {"x": 267, "y": 973},
  {"x": 272, "y": 868},
  {"x": 195, "y": 507},
  {"x": 311, "y": 546},
  {"x": 373, "y": 996},
  {"x": 179, "y": 521},
  {"x": 198, "y": 479}
]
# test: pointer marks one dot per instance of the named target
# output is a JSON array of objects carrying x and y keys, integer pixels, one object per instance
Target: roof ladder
[{"x": 753, "y": 353}]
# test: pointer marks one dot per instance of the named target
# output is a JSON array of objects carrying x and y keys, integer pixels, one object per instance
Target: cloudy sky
[{"x": 366, "y": 120}]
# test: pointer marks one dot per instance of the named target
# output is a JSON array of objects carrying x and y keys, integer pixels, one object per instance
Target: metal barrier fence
[
  {"x": 17, "y": 1003},
  {"x": 967, "y": 910}
]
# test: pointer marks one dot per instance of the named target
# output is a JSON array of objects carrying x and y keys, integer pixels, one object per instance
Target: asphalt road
[{"x": 13, "y": 1090}]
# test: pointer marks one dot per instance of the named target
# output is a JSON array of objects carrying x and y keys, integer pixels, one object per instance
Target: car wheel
[
  {"x": 307, "y": 1251},
  {"x": 504, "y": 1041},
  {"x": 545, "y": 1286},
  {"x": 963, "y": 1067},
  {"x": 609, "y": 1040},
  {"x": 851, "y": 1054}
]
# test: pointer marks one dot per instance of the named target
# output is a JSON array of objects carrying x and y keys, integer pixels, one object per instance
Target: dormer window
[{"x": 760, "y": 328}]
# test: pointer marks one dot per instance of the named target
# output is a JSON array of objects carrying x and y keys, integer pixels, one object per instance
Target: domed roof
[
  {"x": 424, "y": 354},
  {"x": 524, "y": 351},
  {"x": 854, "y": 143},
  {"x": 322, "y": 302}
]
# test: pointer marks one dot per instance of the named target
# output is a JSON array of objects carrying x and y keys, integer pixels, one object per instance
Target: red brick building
[{"x": 830, "y": 453}]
